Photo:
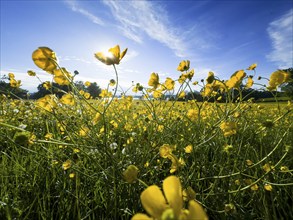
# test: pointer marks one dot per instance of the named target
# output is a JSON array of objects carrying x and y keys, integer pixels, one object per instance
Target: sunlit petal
[
  {"x": 196, "y": 211},
  {"x": 173, "y": 193},
  {"x": 153, "y": 201},
  {"x": 140, "y": 216}
]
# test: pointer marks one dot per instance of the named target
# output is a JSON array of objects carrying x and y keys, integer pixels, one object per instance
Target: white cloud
[
  {"x": 143, "y": 17},
  {"x": 281, "y": 34},
  {"x": 76, "y": 8}
]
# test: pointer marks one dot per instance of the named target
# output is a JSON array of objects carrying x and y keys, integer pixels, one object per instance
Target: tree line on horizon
[{"x": 94, "y": 90}]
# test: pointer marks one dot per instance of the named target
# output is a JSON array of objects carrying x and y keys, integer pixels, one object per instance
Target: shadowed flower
[
  {"x": 165, "y": 150},
  {"x": 210, "y": 78},
  {"x": 154, "y": 80},
  {"x": 31, "y": 73},
  {"x": 169, "y": 203},
  {"x": 45, "y": 58},
  {"x": 113, "y": 56},
  {"x": 236, "y": 79},
  {"x": 47, "y": 85},
  {"x": 249, "y": 82},
  {"x": 169, "y": 83},
  {"x": 277, "y": 78},
  {"x": 183, "y": 65},
  {"x": 11, "y": 76},
  {"x": 15, "y": 83},
  {"x": 252, "y": 67},
  {"x": 130, "y": 174},
  {"x": 112, "y": 82},
  {"x": 62, "y": 76}
]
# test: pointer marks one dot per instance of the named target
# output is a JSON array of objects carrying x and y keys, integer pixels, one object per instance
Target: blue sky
[{"x": 219, "y": 36}]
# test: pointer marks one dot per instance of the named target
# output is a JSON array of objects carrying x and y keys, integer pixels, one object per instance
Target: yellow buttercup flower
[
  {"x": 157, "y": 94},
  {"x": 96, "y": 118},
  {"x": 249, "y": 82},
  {"x": 249, "y": 162},
  {"x": 254, "y": 187},
  {"x": 252, "y": 67},
  {"x": 183, "y": 65},
  {"x": 236, "y": 79},
  {"x": 210, "y": 78},
  {"x": 130, "y": 174},
  {"x": 192, "y": 114},
  {"x": 47, "y": 85},
  {"x": 87, "y": 83},
  {"x": 15, "y": 83},
  {"x": 165, "y": 150},
  {"x": 228, "y": 128},
  {"x": 48, "y": 102},
  {"x": 68, "y": 99},
  {"x": 268, "y": 187},
  {"x": 11, "y": 76},
  {"x": 112, "y": 82},
  {"x": 169, "y": 203},
  {"x": 277, "y": 78},
  {"x": 188, "y": 149},
  {"x": 154, "y": 80},
  {"x": 48, "y": 136},
  {"x": 31, "y": 73},
  {"x": 45, "y": 58},
  {"x": 71, "y": 175},
  {"x": 87, "y": 95},
  {"x": 169, "y": 83},
  {"x": 66, "y": 165},
  {"x": 105, "y": 93},
  {"x": 113, "y": 56},
  {"x": 181, "y": 94},
  {"x": 62, "y": 76}
]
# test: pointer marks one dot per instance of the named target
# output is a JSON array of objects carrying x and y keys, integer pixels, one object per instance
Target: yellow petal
[
  {"x": 173, "y": 193},
  {"x": 123, "y": 54},
  {"x": 101, "y": 57},
  {"x": 196, "y": 211},
  {"x": 249, "y": 82},
  {"x": 153, "y": 201},
  {"x": 115, "y": 51},
  {"x": 252, "y": 67},
  {"x": 140, "y": 216},
  {"x": 268, "y": 187}
]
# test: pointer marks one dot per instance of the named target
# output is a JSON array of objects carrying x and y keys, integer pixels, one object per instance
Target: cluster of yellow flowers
[
  {"x": 13, "y": 82},
  {"x": 158, "y": 89}
]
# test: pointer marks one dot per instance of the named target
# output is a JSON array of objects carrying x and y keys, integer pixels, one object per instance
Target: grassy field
[
  {"x": 69, "y": 163},
  {"x": 76, "y": 158}
]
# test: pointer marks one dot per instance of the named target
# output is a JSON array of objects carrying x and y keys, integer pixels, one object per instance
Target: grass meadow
[{"x": 78, "y": 158}]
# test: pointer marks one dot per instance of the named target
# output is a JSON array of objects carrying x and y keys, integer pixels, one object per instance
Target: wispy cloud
[
  {"x": 76, "y": 8},
  {"x": 281, "y": 34},
  {"x": 144, "y": 17}
]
